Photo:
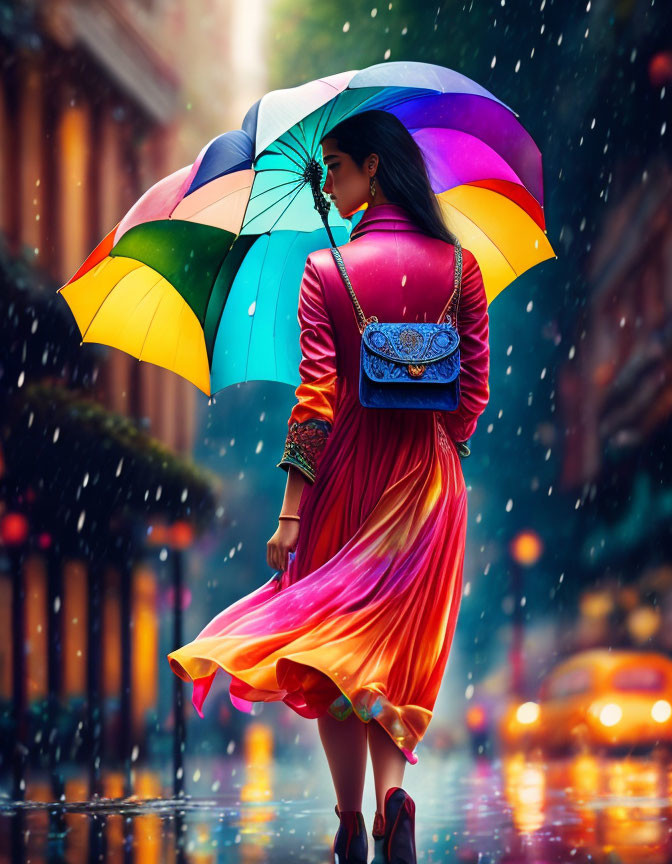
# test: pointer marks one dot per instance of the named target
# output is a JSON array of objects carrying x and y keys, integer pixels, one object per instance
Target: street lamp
[
  {"x": 525, "y": 549},
  {"x": 177, "y": 536},
  {"x": 14, "y": 531}
]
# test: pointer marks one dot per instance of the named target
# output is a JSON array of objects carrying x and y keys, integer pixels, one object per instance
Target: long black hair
[{"x": 401, "y": 172}]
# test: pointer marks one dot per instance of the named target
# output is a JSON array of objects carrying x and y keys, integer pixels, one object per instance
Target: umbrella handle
[{"x": 313, "y": 174}]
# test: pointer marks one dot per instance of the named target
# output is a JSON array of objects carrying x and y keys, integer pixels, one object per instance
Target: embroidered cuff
[{"x": 304, "y": 444}]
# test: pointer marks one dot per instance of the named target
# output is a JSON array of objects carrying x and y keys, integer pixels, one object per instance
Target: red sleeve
[
  {"x": 472, "y": 325},
  {"x": 312, "y": 417}
]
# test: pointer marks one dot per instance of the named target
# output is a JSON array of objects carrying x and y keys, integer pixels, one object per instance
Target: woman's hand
[{"x": 282, "y": 543}]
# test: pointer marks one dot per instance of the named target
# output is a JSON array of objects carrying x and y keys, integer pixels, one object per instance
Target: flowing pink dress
[{"x": 364, "y": 615}]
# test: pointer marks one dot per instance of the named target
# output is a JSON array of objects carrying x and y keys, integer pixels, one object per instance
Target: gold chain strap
[{"x": 362, "y": 320}]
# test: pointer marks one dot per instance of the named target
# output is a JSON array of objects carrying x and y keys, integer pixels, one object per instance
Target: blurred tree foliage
[{"x": 310, "y": 40}]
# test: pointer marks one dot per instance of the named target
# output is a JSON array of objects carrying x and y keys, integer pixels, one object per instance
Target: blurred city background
[{"x": 131, "y": 508}]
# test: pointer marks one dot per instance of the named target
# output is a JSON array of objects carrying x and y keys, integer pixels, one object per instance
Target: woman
[{"x": 357, "y": 630}]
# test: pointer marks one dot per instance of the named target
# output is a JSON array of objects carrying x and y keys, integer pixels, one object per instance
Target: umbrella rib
[
  {"x": 306, "y": 154},
  {"x": 298, "y": 164},
  {"x": 151, "y": 288},
  {"x": 261, "y": 213},
  {"x": 285, "y": 170},
  {"x": 286, "y": 208},
  {"x": 180, "y": 333},
  {"x": 139, "y": 264},
  {"x": 332, "y": 105},
  {"x": 317, "y": 124},
  {"x": 273, "y": 188},
  {"x": 149, "y": 326}
]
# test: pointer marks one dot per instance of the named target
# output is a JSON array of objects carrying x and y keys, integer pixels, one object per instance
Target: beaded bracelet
[{"x": 298, "y": 518}]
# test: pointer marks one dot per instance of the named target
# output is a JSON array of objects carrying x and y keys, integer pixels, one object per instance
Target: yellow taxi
[{"x": 596, "y": 698}]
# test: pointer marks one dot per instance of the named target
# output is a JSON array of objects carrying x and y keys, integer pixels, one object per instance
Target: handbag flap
[{"x": 407, "y": 342}]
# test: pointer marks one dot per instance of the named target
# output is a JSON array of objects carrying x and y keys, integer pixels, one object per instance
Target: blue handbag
[{"x": 409, "y": 364}]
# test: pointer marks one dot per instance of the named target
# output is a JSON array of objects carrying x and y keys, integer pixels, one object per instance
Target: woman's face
[{"x": 346, "y": 184}]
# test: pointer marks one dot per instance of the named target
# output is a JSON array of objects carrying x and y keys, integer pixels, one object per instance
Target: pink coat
[
  {"x": 398, "y": 274},
  {"x": 363, "y": 617}
]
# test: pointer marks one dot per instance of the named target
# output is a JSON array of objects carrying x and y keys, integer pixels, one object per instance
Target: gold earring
[{"x": 372, "y": 187}]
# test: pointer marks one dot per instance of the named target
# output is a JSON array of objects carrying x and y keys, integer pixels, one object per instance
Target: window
[
  {"x": 569, "y": 683},
  {"x": 638, "y": 679}
]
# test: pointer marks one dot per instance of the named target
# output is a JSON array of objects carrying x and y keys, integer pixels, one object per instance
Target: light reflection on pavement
[{"x": 573, "y": 810}]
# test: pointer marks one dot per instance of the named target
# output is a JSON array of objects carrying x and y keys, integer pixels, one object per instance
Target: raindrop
[
  {"x": 509, "y": 505},
  {"x": 85, "y": 481},
  {"x": 259, "y": 447},
  {"x": 119, "y": 467},
  {"x": 57, "y": 432},
  {"x": 183, "y": 497},
  {"x": 346, "y": 26},
  {"x": 80, "y": 521}
]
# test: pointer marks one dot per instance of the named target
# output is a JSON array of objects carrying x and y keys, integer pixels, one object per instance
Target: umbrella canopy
[{"x": 202, "y": 275}]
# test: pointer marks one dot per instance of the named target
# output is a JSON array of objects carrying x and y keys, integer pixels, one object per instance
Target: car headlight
[
  {"x": 527, "y": 713},
  {"x": 661, "y": 711},
  {"x": 610, "y": 714}
]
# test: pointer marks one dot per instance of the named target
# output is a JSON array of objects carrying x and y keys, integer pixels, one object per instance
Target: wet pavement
[{"x": 468, "y": 810}]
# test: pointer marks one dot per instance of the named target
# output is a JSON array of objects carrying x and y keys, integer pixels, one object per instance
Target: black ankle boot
[
  {"x": 351, "y": 844},
  {"x": 397, "y": 828}
]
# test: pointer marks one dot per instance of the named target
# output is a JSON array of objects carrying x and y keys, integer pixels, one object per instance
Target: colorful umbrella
[{"x": 202, "y": 274}]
